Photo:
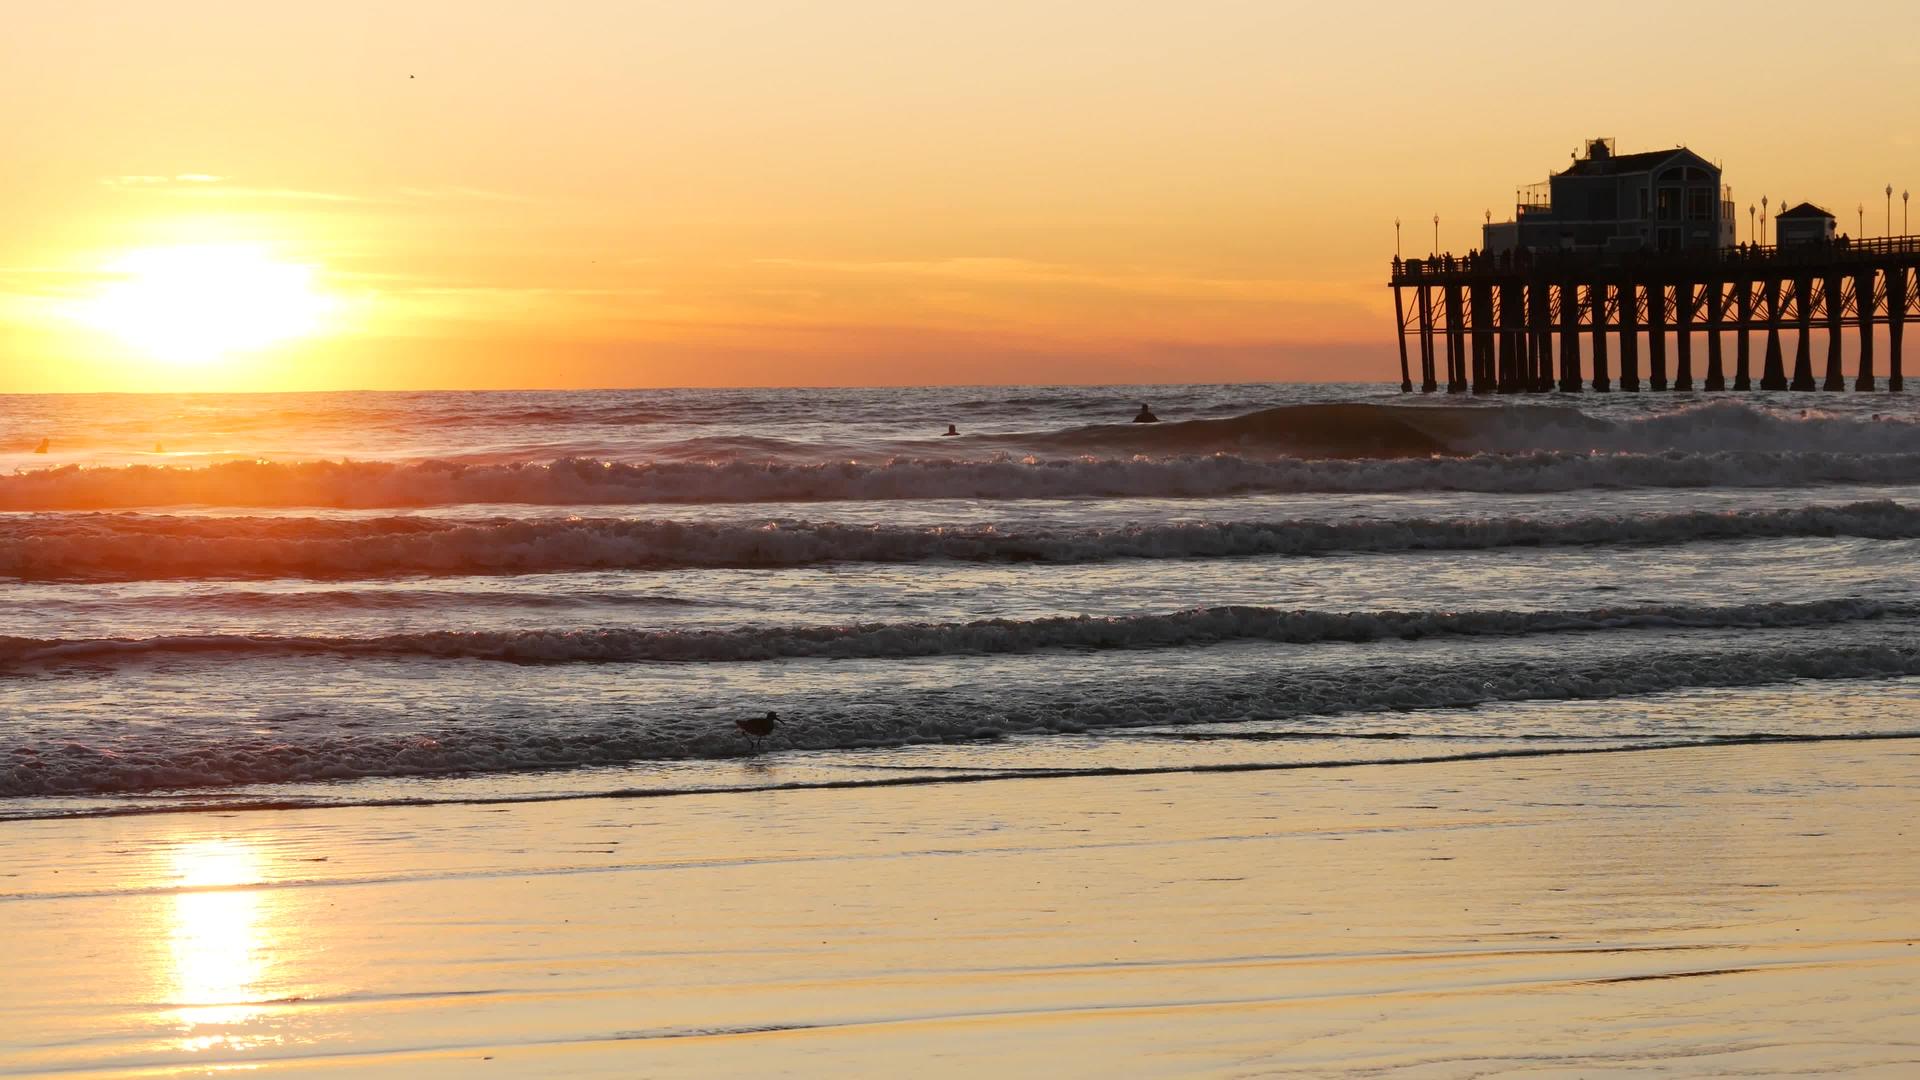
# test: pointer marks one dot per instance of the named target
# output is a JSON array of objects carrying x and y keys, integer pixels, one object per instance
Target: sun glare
[{"x": 199, "y": 303}]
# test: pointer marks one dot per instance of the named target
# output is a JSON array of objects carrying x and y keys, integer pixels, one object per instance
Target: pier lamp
[
  {"x": 1436, "y": 234},
  {"x": 1904, "y": 231},
  {"x": 1750, "y": 233},
  {"x": 1396, "y": 238},
  {"x": 1862, "y": 211},
  {"x": 1889, "y": 209},
  {"x": 1763, "y": 221}
]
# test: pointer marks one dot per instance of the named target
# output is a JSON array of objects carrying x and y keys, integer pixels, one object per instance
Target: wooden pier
[{"x": 1514, "y": 323}]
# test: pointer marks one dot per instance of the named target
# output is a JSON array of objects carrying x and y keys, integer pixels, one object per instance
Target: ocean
[{"x": 228, "y": 601}]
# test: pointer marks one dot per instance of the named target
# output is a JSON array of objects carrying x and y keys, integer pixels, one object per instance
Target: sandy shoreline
[{"x": 1739, "y": 909}]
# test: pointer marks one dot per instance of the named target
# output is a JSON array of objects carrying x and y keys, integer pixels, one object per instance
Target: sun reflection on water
[{"x": 220, "y": 939}]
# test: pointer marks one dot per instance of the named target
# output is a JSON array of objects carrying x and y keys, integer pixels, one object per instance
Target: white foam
[
  {"x": 575, "y": 481},
  {"x": 1200, "y": 626},
  {"x": 132, "y": 547},
  {"x": 142, "y": 758}
]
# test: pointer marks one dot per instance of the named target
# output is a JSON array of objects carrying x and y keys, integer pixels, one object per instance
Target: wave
[
  {"x": 579, "y": 481},
  {"x": 144, "y": 758},
  {"x": 1201, "y": 626},
  {"x": 122, "y": 547},
  {"x": 1369, "y": 430},
  {"x": 229, "y": 804}
]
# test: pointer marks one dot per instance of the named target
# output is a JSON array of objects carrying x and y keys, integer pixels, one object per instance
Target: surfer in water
[
  {"x": 951, "y": 430},
  {"x": 1145, "y": 415}
]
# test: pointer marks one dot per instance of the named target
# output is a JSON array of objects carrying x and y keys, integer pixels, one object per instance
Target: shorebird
[{"x": 758, "y": 728}]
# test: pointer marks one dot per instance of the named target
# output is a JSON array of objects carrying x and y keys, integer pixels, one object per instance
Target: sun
[{"x": 199, "y": 303}]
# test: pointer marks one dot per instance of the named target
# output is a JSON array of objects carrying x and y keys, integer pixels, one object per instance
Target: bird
[{"x": 758, "y": 728}]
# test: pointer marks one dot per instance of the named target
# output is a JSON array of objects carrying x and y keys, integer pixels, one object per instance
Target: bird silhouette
[{"x": 757, "y": 728}]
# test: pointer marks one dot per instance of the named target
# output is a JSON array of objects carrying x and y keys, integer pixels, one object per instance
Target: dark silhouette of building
[
  {"x": 1662, "y": 200},
  {"x": 1804, "y": 224}
]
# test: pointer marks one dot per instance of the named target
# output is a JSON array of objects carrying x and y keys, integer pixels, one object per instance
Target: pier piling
[
  {"x": 1803, "y": 344},
  {"x": 1496, "y": 318},
  {"x": 1831, "y": 294},
  {"x": 1657, "y": 335},
  {"x": 1716, "y": 322},
  {"x": 1597, "y": 296}
]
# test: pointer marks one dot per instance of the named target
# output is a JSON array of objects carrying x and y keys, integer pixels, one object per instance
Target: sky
[{"x": 206, "y": 195}]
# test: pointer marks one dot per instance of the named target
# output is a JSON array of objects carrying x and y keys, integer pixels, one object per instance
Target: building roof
[
  {"x": 1620, "y": 164},
  {"x": 1804, "y": 210}
]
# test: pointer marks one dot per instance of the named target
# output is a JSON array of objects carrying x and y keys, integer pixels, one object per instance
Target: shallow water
[{"x": 332, "y": 598}]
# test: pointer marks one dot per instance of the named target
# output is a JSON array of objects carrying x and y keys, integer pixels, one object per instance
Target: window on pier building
[
  {"x": 1699, "y": 204},
  {"x": 1643, "y": 203},
  {"x": 1669, "y": 204}
]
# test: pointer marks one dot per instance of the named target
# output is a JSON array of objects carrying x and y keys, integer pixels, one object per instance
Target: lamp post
[
  {"x": 1889, "y": 209},
  {"x": 1436, "y": 234},
  {"x": 1862, "y": 211},
  {"x": 1396, "y": 239},
  {"x": 1750, "y": 232},
  {"x": 1903, "y": 212},
  {"x": 1763, "y": 221}
]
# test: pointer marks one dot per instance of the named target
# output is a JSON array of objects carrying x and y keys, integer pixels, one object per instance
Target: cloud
[{"x": 210, "y": 186}]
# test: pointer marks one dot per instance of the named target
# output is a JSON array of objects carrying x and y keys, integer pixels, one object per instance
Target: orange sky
[{"x": 861, "y": 192}]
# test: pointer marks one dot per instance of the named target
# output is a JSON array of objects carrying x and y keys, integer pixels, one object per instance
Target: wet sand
[{"x": 1749, "y": 910}]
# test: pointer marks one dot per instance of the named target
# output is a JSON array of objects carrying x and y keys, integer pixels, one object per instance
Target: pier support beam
[
  {"x": 1569, "y": 338},
  {"x": 1831, "y": 293},
  {"x": 1898, "y": 287},
  {"x": 1400, "y": 321},
  {"x": 1540, "y": 318},
  {"x": 1775, "y": 375},
  {"x": 1716, "y": 321},
  {"x": 1482, "y": 337},
  {"x": 1597, "y": 298},
  {"x": 1803, "y": 322},
  {"x": 1743, "y": 344},
  {"x": 1629, "y": 306},
  {"x": 1657, "y": 335},
  {"x": 1513, "y": 344},
  {"x": 1863, "y": 305},
  {"x": 1456, "y": 341},
  {"x": 1684, "y": 299},
  {"x": 1426, "y": 340}
]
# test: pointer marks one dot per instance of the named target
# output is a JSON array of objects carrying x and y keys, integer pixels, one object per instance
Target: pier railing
[{"x": 1807, "y": 253}]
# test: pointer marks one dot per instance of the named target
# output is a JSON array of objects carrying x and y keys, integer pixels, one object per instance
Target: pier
[
  {"x": 1621, "y": 250},
  {"x": 1517, "y": 321}
]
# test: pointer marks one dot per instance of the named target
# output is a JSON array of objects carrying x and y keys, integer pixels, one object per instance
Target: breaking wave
[
  {"x": 150, "y": 759},
  {"x": 1369, "y": 430},
  {"x": 1200, "y": 626},
  {"x": 575, "y": 481},
  {"x": 109, "y": 547}
]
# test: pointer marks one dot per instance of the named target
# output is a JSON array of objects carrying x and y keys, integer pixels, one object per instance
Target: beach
[
  {"x": 1716, "y": 911},
  {"x": 1312, "y": 730}
]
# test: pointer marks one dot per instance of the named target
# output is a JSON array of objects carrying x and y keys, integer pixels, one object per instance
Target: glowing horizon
[{"x": 779, "y": 194}]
